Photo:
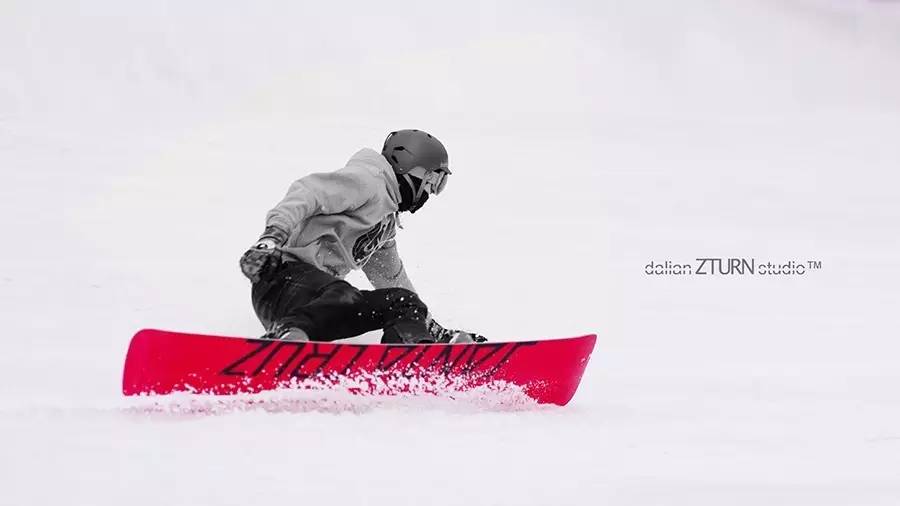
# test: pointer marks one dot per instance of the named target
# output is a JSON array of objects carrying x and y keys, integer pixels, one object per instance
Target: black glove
[
  {"x": 442, "y": 335},
  {"x": 264, "y": 257}
]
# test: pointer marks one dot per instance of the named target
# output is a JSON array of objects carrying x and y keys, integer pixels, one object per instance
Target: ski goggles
[{"x": 433, "y": 181}]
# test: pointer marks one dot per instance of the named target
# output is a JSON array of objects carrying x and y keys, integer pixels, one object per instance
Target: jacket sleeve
[
  {"x": 385, "y": 269},
  {"x": 324, "y": 193}
]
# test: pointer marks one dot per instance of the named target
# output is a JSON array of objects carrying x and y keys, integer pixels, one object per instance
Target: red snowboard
[{"x": 161, "y": 362}]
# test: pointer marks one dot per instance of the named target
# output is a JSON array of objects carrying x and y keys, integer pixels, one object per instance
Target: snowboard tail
[{"x": 162, "y": 362}]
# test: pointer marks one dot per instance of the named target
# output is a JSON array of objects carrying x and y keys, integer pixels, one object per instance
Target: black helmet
[{"x": 406, "y": 149}]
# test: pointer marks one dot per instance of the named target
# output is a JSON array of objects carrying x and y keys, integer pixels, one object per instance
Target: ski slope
[{"x": 141, "y": 144}]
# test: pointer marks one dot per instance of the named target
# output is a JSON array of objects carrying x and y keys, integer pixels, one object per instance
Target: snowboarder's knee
[{"x": 341, "y": 292}]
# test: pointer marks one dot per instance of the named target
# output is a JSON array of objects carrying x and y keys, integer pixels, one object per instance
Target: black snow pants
[{"x": 327, "y": 308}]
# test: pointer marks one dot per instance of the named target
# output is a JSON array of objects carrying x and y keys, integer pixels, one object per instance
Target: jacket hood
[{"x": 370, "y": 157}]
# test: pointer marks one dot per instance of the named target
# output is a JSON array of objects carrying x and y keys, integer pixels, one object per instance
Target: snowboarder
[{"x": 331, "y": 223}]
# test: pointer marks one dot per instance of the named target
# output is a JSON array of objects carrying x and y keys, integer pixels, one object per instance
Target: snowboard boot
[
  {"x": 406, "y": 333},
  {"x": 460, "y": 338},
  {"x": 449, "y": 336},
  {"x": 286, "y": 333}
]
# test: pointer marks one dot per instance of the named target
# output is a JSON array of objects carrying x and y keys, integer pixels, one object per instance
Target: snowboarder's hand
[
  {"x": 266, "y": 243},
  {"x": 261, "y": 260}
]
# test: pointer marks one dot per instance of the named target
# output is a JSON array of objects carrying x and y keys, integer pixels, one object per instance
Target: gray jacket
[{"x": 345, "y": 220}]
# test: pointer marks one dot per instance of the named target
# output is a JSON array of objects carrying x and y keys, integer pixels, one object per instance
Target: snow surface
[{"x": 142, "y": 142}]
